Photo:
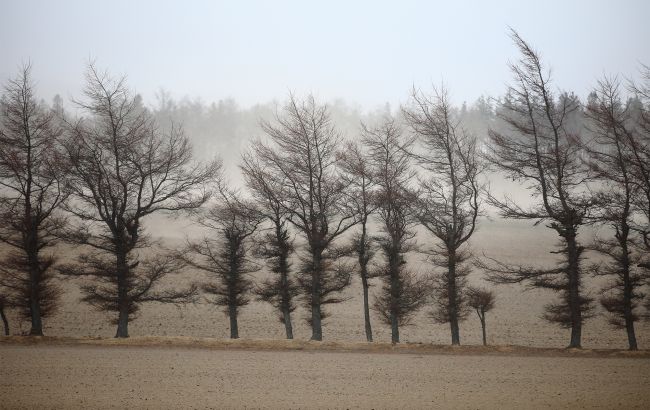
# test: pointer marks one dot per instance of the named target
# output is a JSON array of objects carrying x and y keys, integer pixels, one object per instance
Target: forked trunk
[{"x": 482, "y": 317}]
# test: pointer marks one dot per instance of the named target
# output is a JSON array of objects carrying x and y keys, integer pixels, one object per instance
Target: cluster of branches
[
  {"x": 32, "y": 189},
  {"x": 226, "y": 255},
  {"x": 121, "y": 169},
  {"x": 540, "y": 148},
  {"x": 618, "y": 159},
  {"x": 301, "y": 163},
  {"x": 91, "y": 181},
  {"x": 449, "y": 200}
]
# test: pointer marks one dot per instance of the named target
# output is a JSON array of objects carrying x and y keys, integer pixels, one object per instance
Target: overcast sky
[{"x": 369, "y": 52}]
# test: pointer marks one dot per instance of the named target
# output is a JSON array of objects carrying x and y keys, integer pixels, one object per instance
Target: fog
[{"x": 220, "y": 67}]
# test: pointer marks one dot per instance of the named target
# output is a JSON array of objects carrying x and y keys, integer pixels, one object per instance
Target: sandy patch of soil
[{"x": 96, "y": 376}]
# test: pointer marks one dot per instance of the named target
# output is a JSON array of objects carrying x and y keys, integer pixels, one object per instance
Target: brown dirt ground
[{"x": 200, "y": 373}]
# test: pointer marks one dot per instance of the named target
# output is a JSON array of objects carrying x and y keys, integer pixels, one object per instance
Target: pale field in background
[{"x": 515, "y": 320}]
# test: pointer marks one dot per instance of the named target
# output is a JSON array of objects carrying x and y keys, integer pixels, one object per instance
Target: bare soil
[{"x": 165, "y": 374}]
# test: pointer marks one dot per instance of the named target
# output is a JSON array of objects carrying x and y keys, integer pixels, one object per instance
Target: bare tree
[
  {"x": 361, "y": 195},
  {"x": 301, "y": 159},
  {"x": 542, "y": 150},
  {"x": 449, "y": 199},
  {"x": 402, "y": 293},
  {"x": 31, "y": 178},
  {"x": 482, "y": 301},
  {"x": 275, "y": 245},
  {"x": 123, "y": 168},
  {"x": 639, "y": 143},
  {"x": 5, "y": 321},
  {"x": 226, "y": 256},
  {"x": 611, "y": 158}
]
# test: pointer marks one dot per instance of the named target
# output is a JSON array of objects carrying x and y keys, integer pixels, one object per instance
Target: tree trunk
[
  {"x": 234, "y": 329},
  {"x": 5, "y": 322},
  {"x": 574, "y": 290},
  {"x": 34, "y": 284},
  {"x": 286, "y": 296},
  {"x": 627, "y": 310},
  {"x": 453, "y": 299},
  {"x": 35, "y": 311},
  {"x": 394, "y": 296},
  {"x": 627, "y": 287},
  {"x": 287, "y": 323},
  {"x": 122, "y": 296},
  {"x": 482, "y": 317},
  {"x": 316, "y": 326},
  {"x": 366, "y": 308}
]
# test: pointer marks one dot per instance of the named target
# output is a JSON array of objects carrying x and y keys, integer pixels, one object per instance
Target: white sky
[{"x": 368, "y": 52}]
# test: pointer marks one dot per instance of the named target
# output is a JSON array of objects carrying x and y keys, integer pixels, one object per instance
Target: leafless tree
[
  {"x": 449, "y": 199},
  {"x": 638, "y": 139},
  {"x": 482, "y": 301},
  {"x": 123, "y": 168},
  {"x": 32, "y": 188},
  {"x": 543, "y": 151},
  {"x": 301, "y": 159},
  {"x": 5, "y": 322},
  {"x": 611, "y": 158},
  {"x": 361, "y": 195},
  {"x": 276, "y": 244},
  {"x": 402, "y": 292},
  {"x": 226, "y": 255}
]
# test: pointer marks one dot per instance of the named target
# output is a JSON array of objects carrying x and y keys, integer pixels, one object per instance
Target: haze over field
[{"x": 300, "y": 204}]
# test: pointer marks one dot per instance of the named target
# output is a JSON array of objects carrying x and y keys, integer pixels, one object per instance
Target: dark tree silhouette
[
  {"x": 402, "y": 293},
  {"x": 32, "y": 189},
  {"x": 361, "y": 195},
  {"x": 449, "y": 201},
  {"x": 540, "y": 149},
  {"x": 3, "y": 306},
  {"x": 226, "y": 255},
  {"x": 639, "y": 143},
  {"x": 611, "y": 158},
  {"x": 482, "y": 301},
  {"x": 301, "y": 159},
  {"x": 275, "y": 245},
  {"x": 123, "y": 168}
]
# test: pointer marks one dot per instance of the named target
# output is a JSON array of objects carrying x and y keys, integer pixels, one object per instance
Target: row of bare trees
[{"x": 318, "y": 209}]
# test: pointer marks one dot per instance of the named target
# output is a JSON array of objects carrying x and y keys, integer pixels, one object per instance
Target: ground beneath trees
[{"x": 209, "y": 373}]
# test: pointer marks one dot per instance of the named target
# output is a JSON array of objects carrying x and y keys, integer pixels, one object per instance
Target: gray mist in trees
[
  {"x": 541, "y": 149},
  {"x": 362, "y": 200},
  {"x": 33, "y": 188},
  {"x": 402, "y": 293},
  {"x": 123, "y": 168},
  {"x": 226, "y": 255},
  {"x": 301, "y": 160},
  {"x": 449, "y": 198},
  {"x": 275, "y": 245},
  {"x": 482, "y": 301},
  {"x": 611, "y": 159}
]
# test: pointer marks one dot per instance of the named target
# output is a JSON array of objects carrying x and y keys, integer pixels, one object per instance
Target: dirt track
[{"x": 61, "y": 376}]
